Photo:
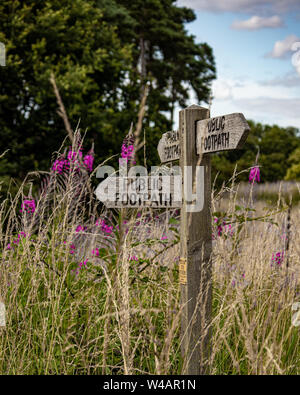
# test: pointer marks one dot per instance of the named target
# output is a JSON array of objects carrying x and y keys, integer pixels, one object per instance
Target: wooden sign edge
[{"x": 242, "y": 140}]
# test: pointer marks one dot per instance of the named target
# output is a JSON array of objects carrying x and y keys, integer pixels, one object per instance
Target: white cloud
[
  {"x": 231, "y": 89},
  {"x": 268, "y": 102},
  {"x": 283, "y": 48},
  {"x": 260, "y": 7},
  {"x": 283, "y": 108},
  {"x": 222, "y": 90},
  {"x": 258, "y": 22},
  {"x": 296, "y": 56}
]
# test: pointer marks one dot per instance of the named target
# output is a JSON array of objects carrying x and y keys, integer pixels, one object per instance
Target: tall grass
[{"x": 100, "y": 300}]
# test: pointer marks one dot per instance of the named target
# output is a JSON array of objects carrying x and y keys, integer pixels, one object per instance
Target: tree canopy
[
  {"x": 102, "y": 53},
  {"x": 72, "y": 40}
]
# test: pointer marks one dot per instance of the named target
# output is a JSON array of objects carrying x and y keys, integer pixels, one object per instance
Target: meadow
[{"x": 89, "y": 290}]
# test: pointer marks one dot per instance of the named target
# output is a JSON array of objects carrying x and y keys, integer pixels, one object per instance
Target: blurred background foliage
[
  {"x": 279, "y": 157},
  {"x": 103, "y": 53}
]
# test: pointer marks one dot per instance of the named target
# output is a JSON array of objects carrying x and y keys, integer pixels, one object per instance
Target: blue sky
[{"x": 257, "y": 56}]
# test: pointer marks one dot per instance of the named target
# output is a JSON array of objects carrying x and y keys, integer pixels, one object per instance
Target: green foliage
[
  {"x": 102, "y": 53},
  {"x": 293, "y": 172},
  {"x": 72, "y": 39}
]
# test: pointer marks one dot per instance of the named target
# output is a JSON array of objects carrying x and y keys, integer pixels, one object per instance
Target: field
[{"x": 90, "y": 291}]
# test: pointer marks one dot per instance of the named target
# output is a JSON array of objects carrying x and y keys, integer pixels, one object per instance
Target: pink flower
[
  {"x": 8, "y": 247},
  {"x": 28, "y": 206},
  {"x": 127, "y": 149},
  {"x": 95, "y": 252},
  {"x": 79, "y": 228},
  {"x": 73, "y": 155},
  {"x": 134, "y": 258},
  {"x": 88, "y": 162},
  {"x": 164, "y": 237},
  {"x": 72, "y": 249},
  {"x": 254, "y": 174},
  {"x": 104, "y": 227},
  {"x": 81, "y": 264},
  {"x": 277, "y": 259},
  {"x": 127, "y": 152},
  {"x": 61, "y": 164},
  {"x": 222, "y": 228}
]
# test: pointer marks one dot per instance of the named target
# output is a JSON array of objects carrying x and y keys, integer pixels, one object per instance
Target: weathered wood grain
[
  {"x": 168, "y": 147},
  {"x": 227, "y": 132},
  {"x": 195, "y": 249}
]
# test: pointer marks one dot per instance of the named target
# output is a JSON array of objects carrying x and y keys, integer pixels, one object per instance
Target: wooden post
[
  {"x": 195, "y": 250},
  {"x": 197, "y": 138}
]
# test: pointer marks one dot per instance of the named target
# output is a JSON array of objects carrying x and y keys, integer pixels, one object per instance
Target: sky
[{"x": 256, "y": 45}]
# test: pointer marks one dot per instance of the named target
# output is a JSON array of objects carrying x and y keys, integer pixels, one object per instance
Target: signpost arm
[{"x": 195, "y": 250}]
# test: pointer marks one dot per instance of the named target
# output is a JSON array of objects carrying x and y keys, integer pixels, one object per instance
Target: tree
[
  {"x": 165, "y": 55},
  {"x": 276, "y": 146},
  {"x": 293, "y": 172},
  {"x": 72, "y": 39}
]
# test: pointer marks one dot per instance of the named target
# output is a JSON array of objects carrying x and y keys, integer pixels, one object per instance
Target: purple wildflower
[
  {"x": 72, "y": 249},
  {"x": 80, "y": 266},
  {"x": 127, "y": 149},
  {"x": 79, "y": 229},
  {"x": 277, "y": 259},
  {"x": 73, "y": 155},
  {"x": 222, "y": 228},
  {"x": 60, "y": 165},
  {"x": 106, "y": 228},
  {"x": 88, "y": 162},
  {"x": 127, "y": 152},
  {"x": 254, "y": 174},
  {"x": 28, "y": 206}
]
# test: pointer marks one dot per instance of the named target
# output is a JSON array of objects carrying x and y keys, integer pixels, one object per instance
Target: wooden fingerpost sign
[{"x": 199, "y": 136}]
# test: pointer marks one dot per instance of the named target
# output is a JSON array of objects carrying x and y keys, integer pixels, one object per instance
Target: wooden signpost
[
  {"x": 197, "y": 137},
  {"x": 169, "y": 147}
]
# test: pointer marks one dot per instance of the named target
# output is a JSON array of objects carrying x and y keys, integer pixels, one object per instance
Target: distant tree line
[
  {"x": 279, "y": 154},
  {"x": 102, "y": 53}
]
